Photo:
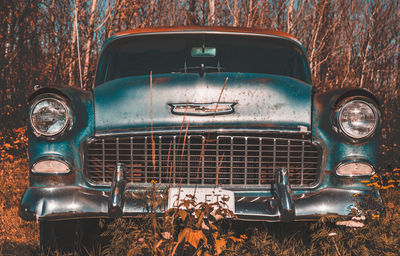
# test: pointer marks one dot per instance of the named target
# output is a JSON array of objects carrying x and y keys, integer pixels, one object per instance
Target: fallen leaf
[{"x": 220, "y": 245}]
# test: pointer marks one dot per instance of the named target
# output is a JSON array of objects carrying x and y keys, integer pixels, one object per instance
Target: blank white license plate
[{"x": 208, "y": 195}]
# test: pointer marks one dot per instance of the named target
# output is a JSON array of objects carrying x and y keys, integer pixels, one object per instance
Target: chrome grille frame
[{"x": 183, "y": 149}]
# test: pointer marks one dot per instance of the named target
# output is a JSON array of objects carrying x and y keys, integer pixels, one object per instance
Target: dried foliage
[
  {"x": 17, "y": 237},
  {"x": 189, "y": 229},
  {"x": 349, "y": 43},
  {"x": 12, "y": 143},
  {"x": 379, "y": 234},
  {"x": 194, "y": 229}
]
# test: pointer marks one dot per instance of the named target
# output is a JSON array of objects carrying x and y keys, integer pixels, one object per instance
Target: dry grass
[
  {"x": 17, "y": 236},
  {"x": 380, "y": 234}
]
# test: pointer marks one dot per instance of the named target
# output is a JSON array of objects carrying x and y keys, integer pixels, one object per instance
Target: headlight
[
  {"x": 50, "y": 115},
  {"x": 358, "y": 118}
]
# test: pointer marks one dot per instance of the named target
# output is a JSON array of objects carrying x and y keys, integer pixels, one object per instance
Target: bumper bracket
[
  {"x": 283, "y": 194},
  {"x": 117, "y": 199}
]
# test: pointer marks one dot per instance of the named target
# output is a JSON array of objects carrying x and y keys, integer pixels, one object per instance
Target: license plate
[{"x": 208, "y": 195}]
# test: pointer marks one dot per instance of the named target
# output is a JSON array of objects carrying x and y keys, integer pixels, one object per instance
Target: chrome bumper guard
[
  {"x": 117, "y": 194},
  {"x": 283, "y": 195},
  {"x": 277, "y": 204}
]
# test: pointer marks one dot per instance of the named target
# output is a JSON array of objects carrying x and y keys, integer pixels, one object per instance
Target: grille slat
[{"x": 204, "y": 159}]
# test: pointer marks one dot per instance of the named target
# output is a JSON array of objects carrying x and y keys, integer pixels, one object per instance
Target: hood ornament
[{"x": 202, "y": 109}]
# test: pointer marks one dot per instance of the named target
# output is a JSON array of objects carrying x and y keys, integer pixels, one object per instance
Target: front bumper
[{"x": 73, "y": 202}]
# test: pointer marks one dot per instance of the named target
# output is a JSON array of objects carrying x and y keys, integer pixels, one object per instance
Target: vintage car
[{"x": 230, "y": 112}]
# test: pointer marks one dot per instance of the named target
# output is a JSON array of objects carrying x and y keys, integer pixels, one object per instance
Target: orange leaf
[
  {"x": 197, "y": 212},
  {"x": 213, "y": 226},
  {"x": 191, "y": 236},
  {"x": 235, "y": 239},
  {"x": 220, "y": 245},
  {"x": 195, "y": 237},
  {"x": 182, "y": 214},
  {"x": 181, "y": 237},
  {"x": 198, "y": 224},
  {"x": 243, "y": 236},
  {"x": 186, "y": 204},
  {"x": 158, "y": 245}
]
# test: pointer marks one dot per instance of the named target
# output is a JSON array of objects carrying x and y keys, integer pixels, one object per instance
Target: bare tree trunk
[
  {"x": 316, "y": 33},
  {"x": 89, "y": 40},
  {"x": 71, "y": 67},
  {"x": 250, "y": 20},
  {"x": 290, "y": 14},
  {"x": 8, "y": 44},
  {"x": 396, "y": 67},
  {"x": 365, "y": 55},
  {"x": 234, "y": 12},
  {"x": 211, "y": 15}
]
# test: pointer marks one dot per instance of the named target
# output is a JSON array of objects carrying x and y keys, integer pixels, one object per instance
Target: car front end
[{"x": 277, "y": 149}]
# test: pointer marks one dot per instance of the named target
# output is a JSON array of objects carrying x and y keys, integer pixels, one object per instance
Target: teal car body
[{"x": 269, "y": 137}]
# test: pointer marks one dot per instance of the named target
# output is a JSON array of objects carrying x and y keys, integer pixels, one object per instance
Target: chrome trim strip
[
  {"x": 302, "y": 163},
  {"x": 222, "y": 131},
  {"x": 255, "y": 199},
  {"x": 103, "y": 159}
]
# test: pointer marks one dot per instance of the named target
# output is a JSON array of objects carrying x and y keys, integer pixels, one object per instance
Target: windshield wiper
[{"x": 201, "y": 69}]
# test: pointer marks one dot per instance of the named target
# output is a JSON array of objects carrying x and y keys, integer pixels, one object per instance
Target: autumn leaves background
[{"x": 349, "y": 43}]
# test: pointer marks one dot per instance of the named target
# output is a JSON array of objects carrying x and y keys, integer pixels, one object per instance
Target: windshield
[{"x": 201, "y": 53}]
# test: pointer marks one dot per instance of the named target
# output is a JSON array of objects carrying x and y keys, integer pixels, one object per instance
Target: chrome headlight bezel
[
  {"x": 61, "y": 101},
  {"x": 343, "y": 130}
]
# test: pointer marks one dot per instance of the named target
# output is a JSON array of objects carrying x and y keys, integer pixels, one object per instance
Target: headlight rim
[
  {"x": 339, "y": 109},
  {"x": 69, "y": 118}
]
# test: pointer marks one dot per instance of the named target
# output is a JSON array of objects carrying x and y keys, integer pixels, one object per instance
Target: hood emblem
[{"x": 202, "y": 109}]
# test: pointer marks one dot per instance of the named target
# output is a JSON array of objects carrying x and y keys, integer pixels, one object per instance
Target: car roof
[{"x": 205, "y": 29}]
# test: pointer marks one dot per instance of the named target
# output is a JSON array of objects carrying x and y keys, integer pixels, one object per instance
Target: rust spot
[
  {"x": 265, "y": 125},
  {"x": 160, "y": 80},
  {"x": 261, "y": 80}
]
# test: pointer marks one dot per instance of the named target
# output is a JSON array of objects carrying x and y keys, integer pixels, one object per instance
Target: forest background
[{"x": 350, "y": 43}]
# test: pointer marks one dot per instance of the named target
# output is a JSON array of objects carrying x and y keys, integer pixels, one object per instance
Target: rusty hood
[{"x": 258, "y": 101}]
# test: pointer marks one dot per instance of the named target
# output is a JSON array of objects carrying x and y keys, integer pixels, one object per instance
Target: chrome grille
[{"x": 204, "y": 159}]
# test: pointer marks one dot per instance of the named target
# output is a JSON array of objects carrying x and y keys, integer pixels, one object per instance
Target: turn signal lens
[
  {"x": 50, "y": 166},
  {"x": 355, "y": 169}
]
